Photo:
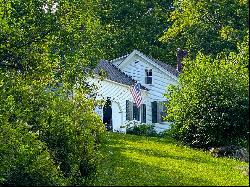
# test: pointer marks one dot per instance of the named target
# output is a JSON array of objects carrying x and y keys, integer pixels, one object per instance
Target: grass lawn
[{"x": 147, "y": 161}]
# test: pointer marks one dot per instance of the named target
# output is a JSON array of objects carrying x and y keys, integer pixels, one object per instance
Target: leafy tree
[
  {"x": 25, "y": 160},
  {"x": 210, "y": 27},
  {"x": 210, "y": 106},
  {"x": 133, "y": 24},
  {"x": 45, "y": 50}
]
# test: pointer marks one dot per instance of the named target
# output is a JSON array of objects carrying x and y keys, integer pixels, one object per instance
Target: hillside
[{"x": 136, "y": 160}]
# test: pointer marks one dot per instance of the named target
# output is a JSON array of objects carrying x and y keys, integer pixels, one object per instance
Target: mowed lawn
[{"x": 147, "y": 161}]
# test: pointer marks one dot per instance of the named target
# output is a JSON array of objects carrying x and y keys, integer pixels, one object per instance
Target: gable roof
[
  {"x": 114, "y": 74},
  {"x": 157, "y": 63},
  {"x": 168, "y": 67},
  {"x": 120, "y": 58}
]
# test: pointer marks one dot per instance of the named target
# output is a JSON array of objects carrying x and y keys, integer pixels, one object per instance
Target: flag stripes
[{"x": 136, "y": 93}]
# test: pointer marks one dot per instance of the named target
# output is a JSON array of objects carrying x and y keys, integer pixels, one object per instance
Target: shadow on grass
[
  {"x": 176, "y": 154},
  {"x": 119, "y": 169}
]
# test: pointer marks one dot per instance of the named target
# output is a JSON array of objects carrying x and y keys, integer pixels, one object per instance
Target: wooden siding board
[
  {"x": 121, "y": 93},
  {"x": 160, "y": 81}
]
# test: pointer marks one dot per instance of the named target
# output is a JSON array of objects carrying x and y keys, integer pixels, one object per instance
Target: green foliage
[
  {"x": 132, "y": 160},
  {"x": 68, "y": 127},
  {"x": 25, "y": 160},
  {"x": 73, "y": 131},
  {"x": 210, "y": 107},
  {"x": 165, "y": 134},
  {"x": 133, "y": 24},
  {"x": 44, "y": 53},
  {"x": 210, "y": 27},
  {"x": 137, "y": 128}
]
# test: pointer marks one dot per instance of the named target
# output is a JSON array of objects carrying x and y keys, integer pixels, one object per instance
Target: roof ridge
[
  {"x": 124, "y": 73},
  {"x": 172, "y": 70},
  {"x": 126, "y": 55}
]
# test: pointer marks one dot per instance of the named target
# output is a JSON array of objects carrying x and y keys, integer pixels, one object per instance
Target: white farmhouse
[{"x": 121, "y": 73}]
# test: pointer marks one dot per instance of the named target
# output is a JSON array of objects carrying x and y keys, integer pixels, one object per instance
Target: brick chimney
[{"x": 180, "y": 55}]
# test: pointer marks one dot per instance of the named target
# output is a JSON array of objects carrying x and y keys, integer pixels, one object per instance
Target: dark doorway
[{"x": 107, "y": 115}]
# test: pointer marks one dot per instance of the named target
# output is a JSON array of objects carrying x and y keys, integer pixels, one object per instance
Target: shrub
[
  {"x": 25, "y": 160},
  {"x": 137, "y": 128},
  {"x": 73, "y": 132},
  {"x": 210, "y": 106},
  {"x": 165, "y": 134},
  {"x": 68, "y": 128},
  {"x": 43, "y": 85}
]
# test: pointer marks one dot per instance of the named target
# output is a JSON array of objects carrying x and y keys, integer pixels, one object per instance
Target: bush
[
  {"x": 165, "y": 134},
  {"x": 73, "y": 132},
  {"x": 25, "y": 160},
  {"x": 137, "y": 128},
  {"x": 43, "y": 91},
  {"x": 210, "y": 107},
  {"x": 68, "y": 128}
]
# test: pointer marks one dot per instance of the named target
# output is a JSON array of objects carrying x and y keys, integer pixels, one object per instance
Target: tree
[
  {"x": 134, "y": 24},
  {"x": 210, "y": 106},
  {"x": 25, "y": 160},
  {"x": 45, "y": 49},
  {"x": 210, "y": 27}
]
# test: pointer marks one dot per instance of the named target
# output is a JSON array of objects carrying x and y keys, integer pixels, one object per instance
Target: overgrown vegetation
[
  {"x": 25, "y": 160},
  {"x": 49, "y": 133},
  {"x": 209, "y": 27},
  {"x": 210, "y": 107},
  {"x": 137, "y": 128},
  {"x": 131, "y": 160}
]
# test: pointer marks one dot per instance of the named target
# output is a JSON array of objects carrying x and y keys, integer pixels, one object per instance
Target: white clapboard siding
[
  {"x": 118, "y": 94},
  {"x": 161, "y": 79},
  {"x": 134, "y": 65}
]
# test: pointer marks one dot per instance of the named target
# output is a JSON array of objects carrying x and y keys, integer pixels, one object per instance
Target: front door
[
  {"x": 107, "y": 115},
  {"x": 116, "y": 117}
]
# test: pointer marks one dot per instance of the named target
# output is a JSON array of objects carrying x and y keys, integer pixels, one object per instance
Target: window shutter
[
  {"x": 143, "y": 119},
  {"x": 154, "y": 112},
  {"x": 136, "y": 112},
  {"x": 129, "y": 110}
]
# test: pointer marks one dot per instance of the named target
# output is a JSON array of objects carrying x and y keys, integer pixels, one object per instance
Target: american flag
[{"x": 136, "y": 93}]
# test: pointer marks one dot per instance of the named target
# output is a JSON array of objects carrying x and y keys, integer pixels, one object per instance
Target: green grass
[{"x": 137, "y": 160}]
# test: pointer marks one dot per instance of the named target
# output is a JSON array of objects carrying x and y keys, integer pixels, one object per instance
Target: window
[
  {"x": 134, "y": 113},
  {"x": 159, "y": 111},
  {"x": 148, "y": 76},
  {"x": 163, "y": 110}
]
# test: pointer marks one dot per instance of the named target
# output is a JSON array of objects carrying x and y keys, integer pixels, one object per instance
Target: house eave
[
  {"x": 120, "y": 84},
  {"x": 122, "y": 64}
]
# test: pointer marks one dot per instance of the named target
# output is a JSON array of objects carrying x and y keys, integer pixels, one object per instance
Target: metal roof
[{"x": 114, "y": 74}]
